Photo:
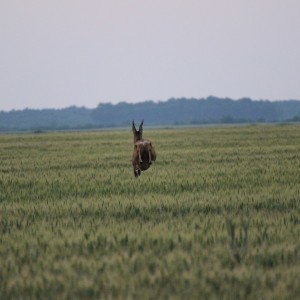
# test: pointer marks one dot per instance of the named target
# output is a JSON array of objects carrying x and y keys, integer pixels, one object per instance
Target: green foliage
[
  {"x": 217, "y": 216},
  {"x": 238, "y": 244},
  {"x": 172, "y": 112}
]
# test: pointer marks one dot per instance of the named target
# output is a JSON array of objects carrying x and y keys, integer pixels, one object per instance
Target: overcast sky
[{"x": 58, "y": 53}]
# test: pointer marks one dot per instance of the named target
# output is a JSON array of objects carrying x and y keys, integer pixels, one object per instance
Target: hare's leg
[
  {"x": 150, "y": 160},
  {"x": 140, "y": 157}
]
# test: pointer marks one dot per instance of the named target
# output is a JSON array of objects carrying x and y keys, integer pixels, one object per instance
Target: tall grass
[{"x": 217, "y": 216}]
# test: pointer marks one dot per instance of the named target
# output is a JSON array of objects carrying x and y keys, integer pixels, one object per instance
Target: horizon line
[{"x": 144, "y": 101}]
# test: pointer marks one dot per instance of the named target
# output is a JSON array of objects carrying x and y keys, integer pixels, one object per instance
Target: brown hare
[{"x": 143, "y": 152}]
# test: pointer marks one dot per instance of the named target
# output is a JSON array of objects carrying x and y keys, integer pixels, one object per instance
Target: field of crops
[{"x": 216, "y": 217}]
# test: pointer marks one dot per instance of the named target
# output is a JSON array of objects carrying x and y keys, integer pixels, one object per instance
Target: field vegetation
[{"x": 216, "y": 217}]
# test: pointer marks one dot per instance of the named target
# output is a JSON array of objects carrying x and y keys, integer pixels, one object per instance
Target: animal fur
[{"x": 143, "y": 152}]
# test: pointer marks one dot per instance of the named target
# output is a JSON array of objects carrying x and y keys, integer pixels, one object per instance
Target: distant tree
[{"x": 172, "y": 111}]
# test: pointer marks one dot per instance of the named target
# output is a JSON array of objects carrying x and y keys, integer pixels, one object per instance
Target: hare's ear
[
  {"x": 141, "y": 126},
  {"x": 133, "y": 127}
]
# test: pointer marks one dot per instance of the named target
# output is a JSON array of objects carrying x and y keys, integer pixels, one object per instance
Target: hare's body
[{"x": 143, "y": 152}]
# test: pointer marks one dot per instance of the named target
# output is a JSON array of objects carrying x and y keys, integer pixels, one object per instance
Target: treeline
[{"x": 172, "y": 112}]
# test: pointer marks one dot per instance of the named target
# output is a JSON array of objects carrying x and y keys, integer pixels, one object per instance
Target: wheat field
[{"x": 216, "y": 217}]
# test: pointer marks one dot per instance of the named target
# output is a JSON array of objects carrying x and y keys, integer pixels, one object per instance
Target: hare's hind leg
[
  {"x": 140, "y": 156},
  {"x": 137, "y": 172},
  {"x": 150, "y": 160}
]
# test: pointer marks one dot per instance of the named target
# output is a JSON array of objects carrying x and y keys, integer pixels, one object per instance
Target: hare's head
[{"x": 137, "y": 134}]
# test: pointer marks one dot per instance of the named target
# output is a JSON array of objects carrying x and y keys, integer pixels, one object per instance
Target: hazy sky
[{"x": 57, "y": 53}]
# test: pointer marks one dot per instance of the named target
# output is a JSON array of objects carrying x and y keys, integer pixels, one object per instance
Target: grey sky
[{"x": 57, "y": 53}]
